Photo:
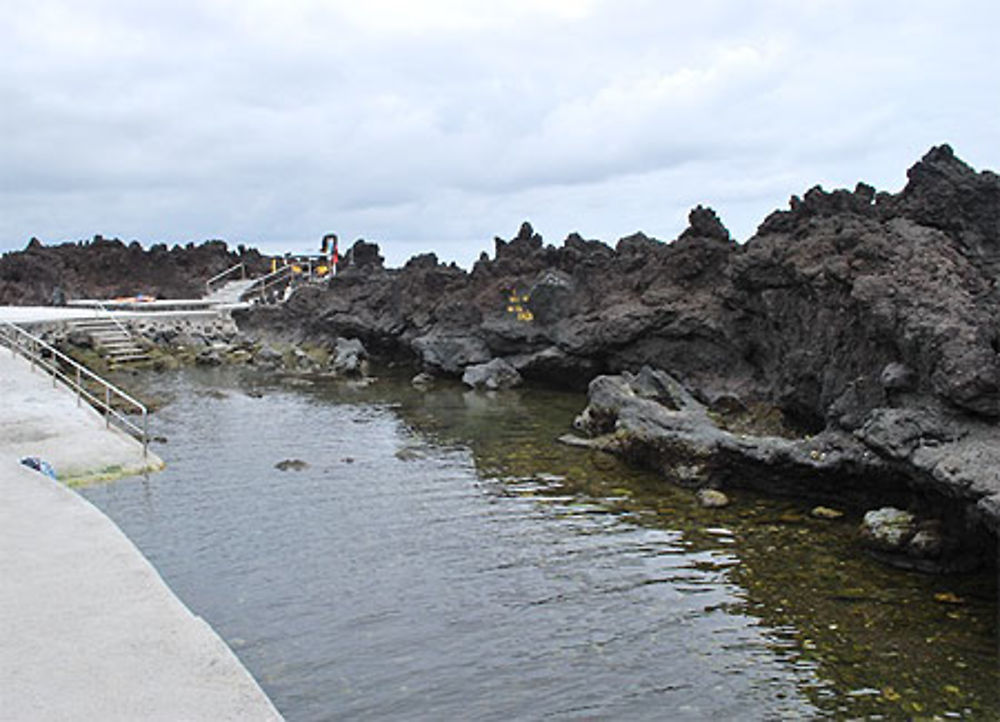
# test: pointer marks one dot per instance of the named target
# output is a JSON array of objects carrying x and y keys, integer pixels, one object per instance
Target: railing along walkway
[
  {"x": 76, "y": 377},
  {"x": 216, "y": 280},
  {"x": 262, "y": 285}
]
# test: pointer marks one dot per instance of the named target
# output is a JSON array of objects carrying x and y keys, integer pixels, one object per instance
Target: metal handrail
[
  {"x": 107, "y": 313},
  {"x": 35, "y": 349},
  {"x": 219, "y": 276},
  {"x": 263, "y": 283}
]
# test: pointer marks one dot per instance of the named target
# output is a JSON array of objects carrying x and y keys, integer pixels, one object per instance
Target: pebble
[
  {"x": 712, "y": 499},
  {"x": 825, "y": 512}
]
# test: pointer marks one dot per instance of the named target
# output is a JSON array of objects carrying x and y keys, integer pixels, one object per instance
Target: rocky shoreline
[{"x": 849, "y": 352}]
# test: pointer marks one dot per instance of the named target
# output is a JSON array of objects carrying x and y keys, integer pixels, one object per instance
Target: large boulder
[
  {"x": 451, "y": 352},
  {"x": 349, "y": 357}
]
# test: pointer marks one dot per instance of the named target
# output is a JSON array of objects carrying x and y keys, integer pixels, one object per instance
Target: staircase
[
  {"x": 231, "y": 293},
  {"x": 111, "y": 340}
]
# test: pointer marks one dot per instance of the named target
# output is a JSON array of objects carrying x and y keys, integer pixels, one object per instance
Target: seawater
[{"x": 441, "y": 556}]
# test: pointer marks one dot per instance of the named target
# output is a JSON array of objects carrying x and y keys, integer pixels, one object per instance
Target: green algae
[
  {"x": 876, "y": 642},
  {"x": 882, "y": 643},
  {"x": 78, "y": 478}
]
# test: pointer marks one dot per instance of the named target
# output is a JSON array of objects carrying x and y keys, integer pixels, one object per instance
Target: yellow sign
[{"x": 516, "y": 304}]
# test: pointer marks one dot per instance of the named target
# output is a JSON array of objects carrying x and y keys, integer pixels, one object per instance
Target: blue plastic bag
[{"x": 33, "y": 462}]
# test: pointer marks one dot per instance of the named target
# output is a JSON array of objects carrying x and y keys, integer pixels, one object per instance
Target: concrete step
[
  {"x": 231, "y": 291},
  {"x": 111, "y": 341},
  {"x": 93, "y": 325},
  {"x": 129, "y": 358},
  {"x": 116, "y": 343}
]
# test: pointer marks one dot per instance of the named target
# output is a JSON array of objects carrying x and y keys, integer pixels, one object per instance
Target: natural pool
[{"x": 442, "y": 557}]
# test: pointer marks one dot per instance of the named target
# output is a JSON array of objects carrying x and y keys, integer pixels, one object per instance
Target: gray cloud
[{"x": 436, "y": 125}]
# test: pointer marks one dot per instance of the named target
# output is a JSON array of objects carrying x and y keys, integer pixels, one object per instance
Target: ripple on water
[{"x": 465, "y": 569}]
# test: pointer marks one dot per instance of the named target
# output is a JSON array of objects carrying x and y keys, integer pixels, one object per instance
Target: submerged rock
[
  {"x": 208, "y": 357},
  {"x": 291, "y": 465},
  {"x": 712, "y": 499},
  {"x": 495, "y": 375},
  {"x": 423, "y": 380},
  {"x": 268, "y": 357},
  {"x": 888, "y": 529}
]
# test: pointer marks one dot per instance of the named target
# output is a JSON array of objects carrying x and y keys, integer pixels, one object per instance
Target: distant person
[{"x": 328, "y": 246}]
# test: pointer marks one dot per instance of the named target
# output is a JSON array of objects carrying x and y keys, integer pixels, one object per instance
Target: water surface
[{"x": 441, "y": 557}]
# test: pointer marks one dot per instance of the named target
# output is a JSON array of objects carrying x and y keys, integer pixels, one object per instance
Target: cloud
[{"x": 446, "y": 122}]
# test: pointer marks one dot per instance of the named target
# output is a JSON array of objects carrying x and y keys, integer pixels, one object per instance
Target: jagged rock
[
  {"x": 422, "y": 380},
  {"x": 897, "y": 377},
  {"x": 494, "y": 375},
  {"x": 106, "y": 268},
  {"x": 361, "y": 256},
  {"x": 658, "y": 423},
  {"x": 866, "y": 320},
  {"x": 550, "y": 298},
  {"x": 349, "y": 357},
  {"x": 888, "y": 529},
  {"x": 704, "y": 223},
  {"x": 903, "y": 540},
  {"x": 926, "y": 543},
  {"x": 268, "y": 357},
  {"x": 451, "y": 352},
  {"x": 208, "y": 357}
]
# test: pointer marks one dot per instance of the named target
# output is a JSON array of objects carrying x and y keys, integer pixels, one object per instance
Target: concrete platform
[
  {"x": 56, "y": 314},
  {"x": 89, "y": 630},
  {"x": 39, "y": 419}
]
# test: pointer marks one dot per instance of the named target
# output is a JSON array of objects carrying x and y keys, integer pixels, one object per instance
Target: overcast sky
[{"x": 439, "y": 124}]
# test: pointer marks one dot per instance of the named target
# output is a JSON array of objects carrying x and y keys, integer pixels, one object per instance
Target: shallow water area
[{"x": 440, "y": 556}]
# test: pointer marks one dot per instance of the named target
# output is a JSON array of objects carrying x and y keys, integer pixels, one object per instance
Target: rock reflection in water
[{"x": 463, "y": 565}]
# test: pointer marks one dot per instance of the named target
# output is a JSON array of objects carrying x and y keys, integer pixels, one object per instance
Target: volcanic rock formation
[
  {"x": 867, "y": 315},
  {"x": 106, "y": 268}
]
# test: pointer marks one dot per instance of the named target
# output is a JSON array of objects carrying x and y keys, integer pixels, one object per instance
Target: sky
[{"x": 436, "y": 125}]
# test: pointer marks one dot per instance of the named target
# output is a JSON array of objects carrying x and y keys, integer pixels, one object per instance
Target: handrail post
[{"x": 33, "y": 350}]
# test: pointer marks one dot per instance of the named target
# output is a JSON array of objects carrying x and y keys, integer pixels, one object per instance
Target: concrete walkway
[
  {"x": 52, "y": 314},
  {"x": 88, "y": 629},
  {"x": 40, "y": 419}
]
